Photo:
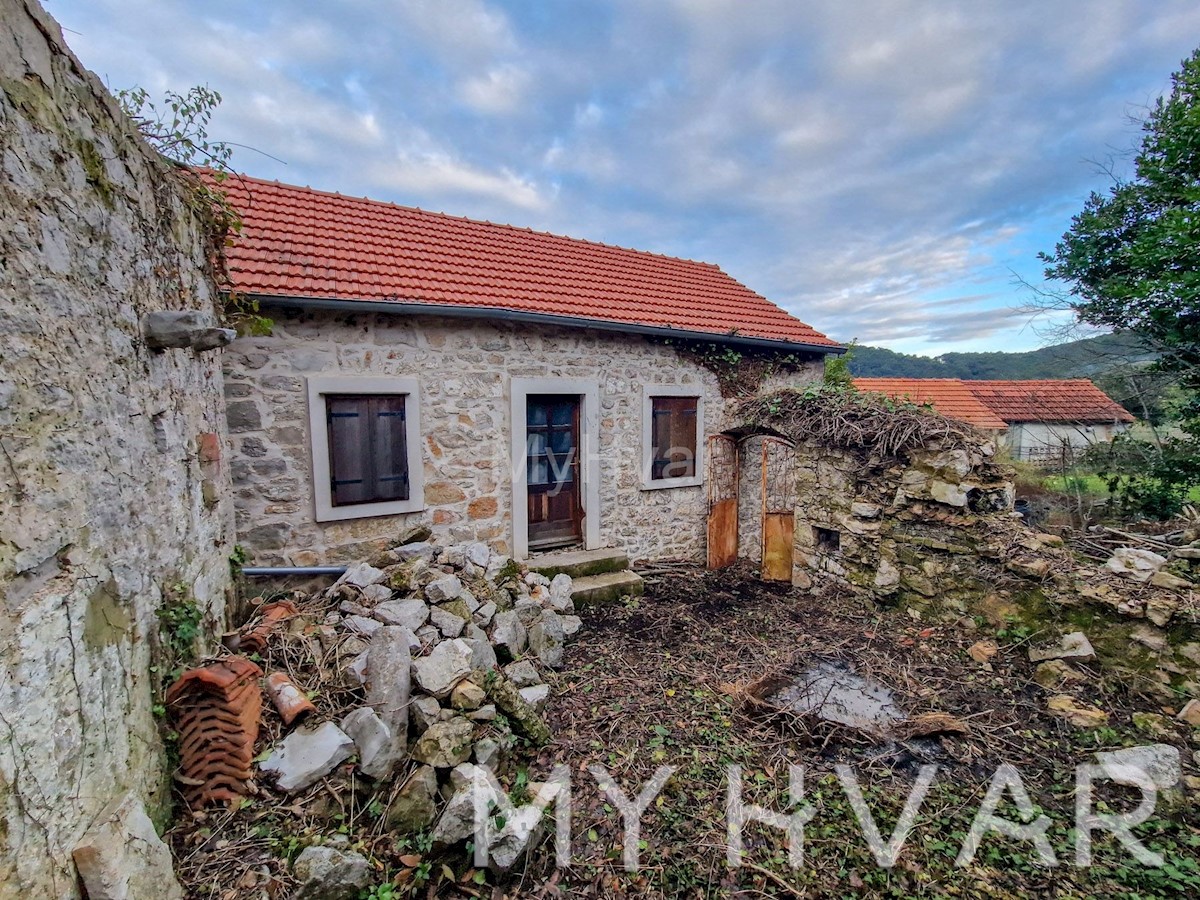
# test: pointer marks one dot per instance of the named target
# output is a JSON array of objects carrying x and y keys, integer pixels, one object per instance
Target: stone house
[
  {"x": 494, "y": 383},
  {"x": 1034, "y": 420}
]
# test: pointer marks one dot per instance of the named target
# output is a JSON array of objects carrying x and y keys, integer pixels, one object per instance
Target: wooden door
[
  {"x": 778, "y": 509},
  {"x": 552, "y": 468},
  {"x": 721, "y": 461}
]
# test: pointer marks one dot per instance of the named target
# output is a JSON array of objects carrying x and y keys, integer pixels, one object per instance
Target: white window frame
[
  {"x": 318, "y": 387},
  {"x": 589, "y": 449},
  {"x": 649, "y": 392}
]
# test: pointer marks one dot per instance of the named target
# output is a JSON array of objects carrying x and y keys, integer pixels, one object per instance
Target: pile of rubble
[{"x": 425, "y": 665}]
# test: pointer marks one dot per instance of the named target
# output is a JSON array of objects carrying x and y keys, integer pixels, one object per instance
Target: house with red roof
[
  {"x": 1036, "y": 420},
  {"x": 496, "y": 384}
]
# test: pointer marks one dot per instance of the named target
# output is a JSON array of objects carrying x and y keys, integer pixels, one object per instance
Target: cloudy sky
[{"x": 880, "y": 168}]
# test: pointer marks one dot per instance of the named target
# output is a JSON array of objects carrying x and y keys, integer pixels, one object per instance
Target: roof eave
[{"x": 462, "y": 311}]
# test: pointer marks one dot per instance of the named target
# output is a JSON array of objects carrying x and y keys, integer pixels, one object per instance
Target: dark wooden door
[
  {"x": 552, "y": 468},
  {"x": 722, "y": 477}
]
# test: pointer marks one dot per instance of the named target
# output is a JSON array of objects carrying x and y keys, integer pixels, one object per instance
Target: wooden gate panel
[
  {"x": 778, "y": 509},
  {"x": 722, "y": 479}
]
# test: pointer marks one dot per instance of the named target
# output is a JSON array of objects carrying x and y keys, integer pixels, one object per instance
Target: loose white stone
[
  {"x": 522, "y": 673},
  {"x": 411, "y": 612},
  {"x": 487, "y": 752},
  {"x": 1072, "y": 646},
  {"x": 546, "y": 639},
  {"x": 329, "y": 873},
  {"x": 373, "y": 740},
  {"x": 535, "y": 695},
  {"x": 361, "y": 624},
  {"x": 389, "y": 686},
  {"x": 306, "y": 756},
  {"x": 457, "y": 822},
  {"x": 447, "y": 665},
  {"x": 483, "y": 616},
  {"x": 443, "y": 589},
  {"x": 1158, "y": 762},
  {"x": 358, "y": 667},
  {"x": 479, "y": 553},
  {"x": 360, "y": 575},
  {"x": 508, "y": 634},
  {"x": 425, "y": 711},
  {"x": 571, "y": 625},
  {"x": 446, "y": 622},
  {"x": 416, "y": 550},
  {"x": 482, "y": 654},
  {"x": 1135, "y": 563}
]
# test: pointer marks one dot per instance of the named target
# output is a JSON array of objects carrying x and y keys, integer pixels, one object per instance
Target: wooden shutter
[
  {"x": 368, "y": 448},
  {"x": 673, "y": 432}
]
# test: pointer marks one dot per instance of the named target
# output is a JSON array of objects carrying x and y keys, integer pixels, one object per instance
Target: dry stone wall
[
  {"x": 113, "y": 492},
  {"x": 465, "y": 370},
  {"x": 885, "y": 522}
]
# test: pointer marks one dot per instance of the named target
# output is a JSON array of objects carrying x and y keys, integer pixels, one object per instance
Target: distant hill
[
  {"x": 1115, "y": 362},
  {"x": 1088, "y": 358}
]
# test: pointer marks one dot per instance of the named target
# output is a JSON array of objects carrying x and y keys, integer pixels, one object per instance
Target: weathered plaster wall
[
  {"x": 1042, "y": 442},
  {"x": 464, "y": 368},
  {"x": 102, "y": 477}
]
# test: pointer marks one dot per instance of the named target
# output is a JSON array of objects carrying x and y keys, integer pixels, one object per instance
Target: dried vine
[{"x": 845, "y": 419}]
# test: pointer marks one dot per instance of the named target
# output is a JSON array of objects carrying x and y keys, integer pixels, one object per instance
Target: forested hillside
[
  {"x": 1087, "y": 358},
  {"x": 1117, "y": 363}
]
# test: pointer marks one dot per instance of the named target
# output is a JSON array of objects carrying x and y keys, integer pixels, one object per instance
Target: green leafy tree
[
  {"x": 1131, "y": 260},
  {"x": 1132, "y": 256}
]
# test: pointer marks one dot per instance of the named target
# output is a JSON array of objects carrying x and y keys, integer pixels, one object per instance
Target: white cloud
[
  {"x": 497, "y": 91},
  {"x": 877, "y": 167}
]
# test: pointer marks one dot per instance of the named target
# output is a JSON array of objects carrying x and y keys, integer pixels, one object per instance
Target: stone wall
[
  {"x": 885, "y": 522},
  {"x": 750, "y": 506},
  {"x": 112, "y": 489},
  {"x": 465, "y": 368}
]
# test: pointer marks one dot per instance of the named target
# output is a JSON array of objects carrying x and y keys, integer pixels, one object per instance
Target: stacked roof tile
[
  {"x": 297, "y": 242},
  {"x": 998, "y": 404}
]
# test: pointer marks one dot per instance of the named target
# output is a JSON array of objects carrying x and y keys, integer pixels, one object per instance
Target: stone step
[
  {"x": 609, "y": 587},
  {"x": 579, "y": 563}
]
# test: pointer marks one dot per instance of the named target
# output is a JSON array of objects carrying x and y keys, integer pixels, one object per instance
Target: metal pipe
[
  {"x": 282, "y": 571},
  {"x": 462, "y": 311}
]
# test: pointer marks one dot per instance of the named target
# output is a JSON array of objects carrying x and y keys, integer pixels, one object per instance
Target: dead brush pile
[{"x": 844, "y": 419}]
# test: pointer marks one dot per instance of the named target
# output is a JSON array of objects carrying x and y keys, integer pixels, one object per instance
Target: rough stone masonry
[{"x": 113, "y": 485}]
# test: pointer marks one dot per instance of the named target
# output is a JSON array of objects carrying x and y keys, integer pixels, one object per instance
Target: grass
[
  {"x": 663, "y": 682},
  {"x": 1093, "y": 486}
]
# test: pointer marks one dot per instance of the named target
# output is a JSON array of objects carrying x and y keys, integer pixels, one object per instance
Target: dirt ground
[{"x": 663, "y": 682}]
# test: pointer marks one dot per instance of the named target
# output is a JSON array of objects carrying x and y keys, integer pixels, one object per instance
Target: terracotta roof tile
[
  {"x": 949, "y": 396},
  {"x": 1059, "y": 400},
  {"x": 299, "y": 242}
]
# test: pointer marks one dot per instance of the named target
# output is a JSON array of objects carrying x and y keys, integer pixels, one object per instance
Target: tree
[
  {"x": 1132, "y": 257},
  {"x": 1131, "y": 261}
]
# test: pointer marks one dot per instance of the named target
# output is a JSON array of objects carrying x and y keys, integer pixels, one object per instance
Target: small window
[
  {"x": 672, "y": 439},
  {"x": 673, "y": 432},
  {"x": 828, "y": 540},
  {"x": 366, "y": 446}
]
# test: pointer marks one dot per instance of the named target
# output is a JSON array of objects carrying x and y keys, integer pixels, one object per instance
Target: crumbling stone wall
[
  {"x": 464, "y": 367},
  {"x": 112, "y": 487},
  {"x": 891, "y": 524}
]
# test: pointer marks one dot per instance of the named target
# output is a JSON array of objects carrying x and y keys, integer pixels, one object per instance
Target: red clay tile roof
[
  {"x": 301, "y": 243},
  {"x": 949, "y": 396},
  {"x": 1066, "y": 400}
]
